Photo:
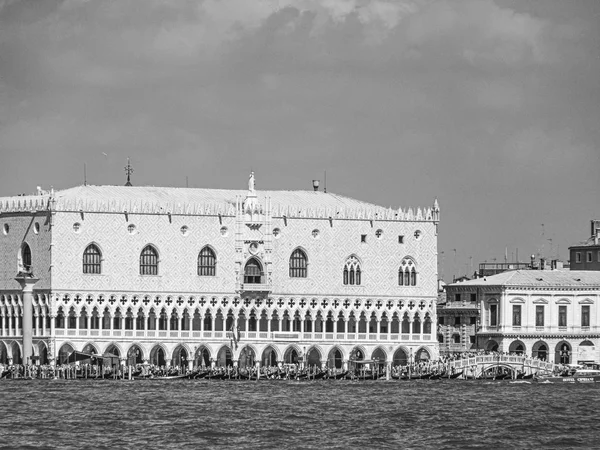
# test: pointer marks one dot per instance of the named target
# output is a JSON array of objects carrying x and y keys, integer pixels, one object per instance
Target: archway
[
  {"x": 291, "y": 355},
  {"x": 157, "y": 356},
  {"x": 63, "y": 353},
  {"x": 90, "y": 349},
  {"x": 135, "y": 355},
  {"x": 43, "y": 353},
  {"x": 224, "y": 357},
  {"x": 586, "y": 352},
  {"x": 335, "y": 359},
  {"x": 491, "y": 346},
  {"x": 313, "y": 357},
  {"x": 180, "y": 357},
  {"x": 253, "y": 272},
  {"x": 3, "y": 353},
  {"x": 422, "y": 355},
  {"x": 379, "y": 358},
  {"x": 562, "y": 353},
  {"x": 400, "y": 358},
  {"x": 517, "y": 347},
  {"x": 269, "y": 357},
  {"x": 202, "y": 357},
  {"x": 540, "y": 351},
  {"x": 247, "y": 358}
]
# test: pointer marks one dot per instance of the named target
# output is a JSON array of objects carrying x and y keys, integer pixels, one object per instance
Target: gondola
[
  {"x": 456, "y": 375},
  {"x": 339, "y": 376}
]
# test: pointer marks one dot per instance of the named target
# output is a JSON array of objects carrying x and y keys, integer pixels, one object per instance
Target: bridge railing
[{"x": 512, "y": 360}]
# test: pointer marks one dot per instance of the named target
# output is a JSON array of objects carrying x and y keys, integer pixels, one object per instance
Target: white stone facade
[
  {"x": 549, "y": 314},
  {"x": 376, "y": 318}
]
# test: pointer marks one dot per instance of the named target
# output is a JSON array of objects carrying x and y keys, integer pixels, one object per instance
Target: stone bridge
[{"x": 477, "y": 365}]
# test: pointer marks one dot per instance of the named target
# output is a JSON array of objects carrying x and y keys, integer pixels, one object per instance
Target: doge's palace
[{"x": 199, "y": 277}]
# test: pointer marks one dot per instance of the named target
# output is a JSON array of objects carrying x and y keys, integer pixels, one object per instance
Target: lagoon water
[{"x": 321, "y": 415}]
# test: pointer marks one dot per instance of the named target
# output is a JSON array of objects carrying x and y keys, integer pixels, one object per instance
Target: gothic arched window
[
  {"x": 352, "y": 273},
  {"x": 298, "y": 264},
  {"x": 26, "y": 257},
  {"x": 207, "y": 263},
  {"x": 253, "y": 272},
  {"x": 149, "y": 261},
  {"x": 92, "y": 260},
  {"x": 407, "y": 273}
]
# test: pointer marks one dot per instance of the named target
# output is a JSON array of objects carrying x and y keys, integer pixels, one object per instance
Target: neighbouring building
[
  {"x": 197, "y": 277},
  {"x": 458, "y": 317},
  {"x": 586, "y": 254},
  {"x": 549, "y": 314}
]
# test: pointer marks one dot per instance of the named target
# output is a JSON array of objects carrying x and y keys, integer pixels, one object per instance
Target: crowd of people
[{"x": 444, "y": 366}]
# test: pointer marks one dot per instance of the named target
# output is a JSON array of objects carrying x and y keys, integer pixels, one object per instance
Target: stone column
[
  {"x": 10, "y": 320},
  {"x": 27, "y": 282},
  {"x": 190, "y": 364},
  {"x": 378, "y": 325},
  {"x": 190, "y": 322},
  {"x": 3, "y": 325},
  {"x": 36, "y": 326},
  {"x": 52, "y": 325},
  {"x": 146, "y": 321},
  {"x": 44, "y": 324},
  {"x": 212, "y": 320},
  {"x": 77, "y": 316}
]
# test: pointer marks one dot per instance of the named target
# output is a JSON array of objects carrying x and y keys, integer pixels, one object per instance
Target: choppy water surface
[{"x": 312, "y": 415}]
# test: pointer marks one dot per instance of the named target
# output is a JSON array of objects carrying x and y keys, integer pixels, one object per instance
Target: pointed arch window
[
  {"x": 298, "y": 264},
  {"x": 92, "y": 260},
  {"x": 207, "y": 262},
  {"x": 149, "y": 261},
  {"x": 352, "y": 272},
  {"x": 407, "y": 273},
  {"x": 253, "y": 272},
  {"x": 26, "y": 257}
]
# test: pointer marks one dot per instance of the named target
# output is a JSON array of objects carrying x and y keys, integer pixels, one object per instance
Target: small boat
[
  {"x": 579, "y": 376},
  {"x": 339, "y": 376},
  {"x": 455, "y": 375}
]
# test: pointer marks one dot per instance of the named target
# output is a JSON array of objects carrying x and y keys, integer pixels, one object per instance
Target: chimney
[{"x": 315, "y": 185}]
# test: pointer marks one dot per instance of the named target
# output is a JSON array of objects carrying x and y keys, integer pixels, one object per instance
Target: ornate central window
[
  {"x": 253, "y": 272},
  {"x": 207, "y": 263},
  {"x": 352, "y": 273},
  {"x": 298, "y": 264},
  {"x": 92, "y": 260}
]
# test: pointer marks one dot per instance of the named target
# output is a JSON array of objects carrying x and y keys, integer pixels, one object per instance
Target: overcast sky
[{"x": 493, "y": 107}]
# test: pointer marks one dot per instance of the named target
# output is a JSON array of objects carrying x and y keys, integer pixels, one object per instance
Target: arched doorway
[
  {"x": 224, "y": 357},
  {"x": 157, "y": 356},
  {"x": 517, "y": 347},
  {"x": 269, "y": 357},
  {"x": 135, "y": 356},
  {"x": 247, "y": 358},
  {"x": 540, "y": 351},
  {"x": 335, "y": 359},
  {"x": 3, "y": 354},
  {"x": 491, "y": 346},
  {"x": 313, "y": 357},
  {"x": 90, "y": 349},
  {"x": 203, "y": 357},
  {"x": 180, "y": 357},
  {"x": 63, "y": 353},
  {"x": 400, "y": 358},
  {"x": 422, "y": 355},
  {"x": 290, "y": 356},
  {"x": 586, "y": 352},
  {"x": 43, "y": 354},
  {"x": 379, "y": 358},
  {"x": 562, "y": 353}
]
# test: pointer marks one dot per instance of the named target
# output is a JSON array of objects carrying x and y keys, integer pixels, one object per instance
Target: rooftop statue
[{"x": 251, "y": 182}]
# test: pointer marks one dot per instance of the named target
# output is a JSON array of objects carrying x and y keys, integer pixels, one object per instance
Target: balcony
[{"x": 255, "y": 287}]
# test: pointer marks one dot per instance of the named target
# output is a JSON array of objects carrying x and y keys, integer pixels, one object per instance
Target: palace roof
[
  {"x": 175, "y": 200},
  {"x": 537, "y": 278}
]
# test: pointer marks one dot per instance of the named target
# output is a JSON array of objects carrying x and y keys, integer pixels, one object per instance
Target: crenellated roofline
[{"x": 210, "y": 202}]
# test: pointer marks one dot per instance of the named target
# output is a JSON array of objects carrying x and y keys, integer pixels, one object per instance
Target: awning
[{"x": 78, "y": 356}]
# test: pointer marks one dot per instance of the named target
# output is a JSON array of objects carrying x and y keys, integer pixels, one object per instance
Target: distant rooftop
[{"x": 538, "y": 278}]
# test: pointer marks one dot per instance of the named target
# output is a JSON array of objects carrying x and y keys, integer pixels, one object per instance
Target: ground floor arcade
[
  {"x": 555, "y": 349},
  {"x": 223, "y": 354}
]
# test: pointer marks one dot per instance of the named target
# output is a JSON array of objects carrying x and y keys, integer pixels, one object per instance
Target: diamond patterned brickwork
[{"x": 21, "y": 228}]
